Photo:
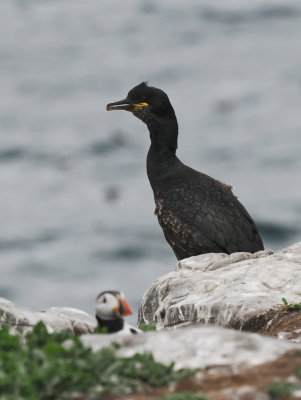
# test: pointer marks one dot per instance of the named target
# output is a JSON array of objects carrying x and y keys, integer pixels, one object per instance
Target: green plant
[
  {"x": 147, "y": 327},
  {"x": 291, "y": 306},
  {"x": 185, "y": 396},
  {"x": 55, "y": 366},
  {"x": 277, "y": 390},
  {"x": 298, "y": 371},
  {"x": 101, "y": 330}
]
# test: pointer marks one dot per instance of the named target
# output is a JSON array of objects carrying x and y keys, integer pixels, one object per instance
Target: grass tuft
[{"x": 291, "y": 306}]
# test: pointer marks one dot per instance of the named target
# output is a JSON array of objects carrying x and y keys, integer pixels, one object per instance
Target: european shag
[
  {"x": 111, "y": 307},
  {"x": 198, "y": 214}
]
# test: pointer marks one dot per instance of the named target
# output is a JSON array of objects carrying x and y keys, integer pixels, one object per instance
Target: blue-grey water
[{"x": 76, "y": 208}]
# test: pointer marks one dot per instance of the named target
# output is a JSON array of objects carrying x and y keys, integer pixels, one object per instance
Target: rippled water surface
[{"x": 76, "y": 209}]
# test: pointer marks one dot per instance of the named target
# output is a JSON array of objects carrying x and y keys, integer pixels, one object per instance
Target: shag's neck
[
  {"x": 162, "y": 152},
  {"x": 164, "y": 135},
  {"x": 113, "y": 325}
]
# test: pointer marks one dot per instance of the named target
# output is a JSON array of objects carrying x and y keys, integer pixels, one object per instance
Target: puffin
[
  {"x": 197, "y": 213},
  {"x": 110, "y": 309}
]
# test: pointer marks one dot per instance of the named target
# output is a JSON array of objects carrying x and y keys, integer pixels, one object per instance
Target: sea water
[{"x": 76, "y": 208}]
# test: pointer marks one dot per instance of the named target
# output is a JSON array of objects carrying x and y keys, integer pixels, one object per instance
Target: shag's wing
[{"x": 201, "y": 215}]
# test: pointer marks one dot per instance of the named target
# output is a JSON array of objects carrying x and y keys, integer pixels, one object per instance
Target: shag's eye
[{"x": 104, "y": 300}]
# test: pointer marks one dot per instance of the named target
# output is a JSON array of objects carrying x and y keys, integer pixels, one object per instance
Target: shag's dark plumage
[{"x": 198, "y": 214}]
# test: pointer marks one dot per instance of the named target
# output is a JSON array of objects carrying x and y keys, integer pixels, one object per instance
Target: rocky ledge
[
  {"x": 209, "y": 348},
  {"x": 233, "y": 365},
  {"x": 56, "y": 319},
  {"x": 242, "y": 291}
]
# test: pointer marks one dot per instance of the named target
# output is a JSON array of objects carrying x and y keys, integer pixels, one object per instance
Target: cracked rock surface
[{"x": 223, "y": 289}]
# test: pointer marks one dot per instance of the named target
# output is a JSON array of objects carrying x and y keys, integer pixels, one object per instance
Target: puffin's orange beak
[{"x": 126, "y": 308}]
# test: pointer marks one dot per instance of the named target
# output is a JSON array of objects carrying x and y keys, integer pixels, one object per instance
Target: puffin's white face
[
  {"x": 111, "y": 306},
  {"x": 107, "y": 306}
]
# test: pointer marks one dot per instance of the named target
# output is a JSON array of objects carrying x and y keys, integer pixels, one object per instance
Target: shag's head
[
  {"x": 145, "y": 102},
  {"x": 111, "y": 305}
]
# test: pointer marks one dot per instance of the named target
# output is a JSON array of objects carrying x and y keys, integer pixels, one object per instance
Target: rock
[
  {"x": 233, "y": 365},
  {"x": 226, "y": 290},
  {"x": 56, "y": 319},
  {"x": 214, "y": 348},
  {"x": 248, "y": 384},
  {"x": 277, "y": 321}
]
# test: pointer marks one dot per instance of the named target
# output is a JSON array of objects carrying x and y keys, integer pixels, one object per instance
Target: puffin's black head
[
  {"x": 111, "y": 305},
  {"x": 145, "y": 102}
]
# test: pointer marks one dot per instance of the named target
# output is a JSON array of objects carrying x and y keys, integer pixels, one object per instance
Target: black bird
[
  {"x": 110, "y": 309},
  {"x": 198, "y": 214}
]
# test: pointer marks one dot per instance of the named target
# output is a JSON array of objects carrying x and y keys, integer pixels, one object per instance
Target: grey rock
[
  {"x": 223, "y": 289},
  {"x": 218, "y": 349},
  {"x": 56, "y": 319}
]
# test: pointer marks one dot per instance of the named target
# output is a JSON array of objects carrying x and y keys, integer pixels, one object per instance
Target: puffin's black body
[
  {"x": 197, "y": 213},
  {"x": 113, "y": 326}
]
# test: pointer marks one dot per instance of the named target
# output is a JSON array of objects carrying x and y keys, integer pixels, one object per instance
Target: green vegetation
[
  {"x": 185, "y": 396},
  {"x": 298, "y": 371},
  {"x": 278, "y": 390},
  {"x": 291, "y": 306},
  {"x": 147, "y": 327},
  {"x": 56, "y": 366},
  {"x": 102, "y": 330}
]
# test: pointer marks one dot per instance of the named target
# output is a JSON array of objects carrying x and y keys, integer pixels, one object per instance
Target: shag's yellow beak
[{"x": 126, "y": 104}]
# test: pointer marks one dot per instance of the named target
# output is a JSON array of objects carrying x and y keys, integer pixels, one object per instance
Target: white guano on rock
[{"x": 223, "y": 289}]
